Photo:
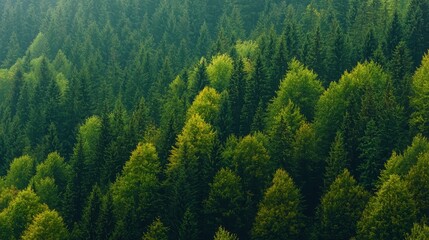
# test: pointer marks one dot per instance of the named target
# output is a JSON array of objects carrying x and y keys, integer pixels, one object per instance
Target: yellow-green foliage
[
  {"x": 419, "y": 232},
  {"x": 247, "y": 49},
  {"x": 89, "y": 134},
  {"x": 400, "y": 164},
  {"x": 300, "y": 86},
  {"x": 390, "y": 213},
  {"x": 20, "y": 172},
  {"x": 19, "y": 213},
  {"x": 219, "y": 71},
  {"x": 279, "y": 215},
  {"x": 206, "y": 104},
  {"x": 420, "y": 97},
  {"x": 47, "y": 225},
  {"x": 223, "y": 234},
  {"x": 195, "y": 140}
]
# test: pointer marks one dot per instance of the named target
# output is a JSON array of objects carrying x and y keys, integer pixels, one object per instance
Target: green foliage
[
  {"x": 418, "y": 179},
  {"x": 389, "y": 214},
  {"x": 189, "y": 226},
  {"x": 279, "y": 215},
  {"x": 207, "y": 105},
  {"x": 39, "y": 47},
  {"x": 251, "y": 161},
  {"x": 156, "y": 231},
  {"x": 419, "y": 232},
  {"x": 306, "y": 164},
  {"x": 222, "y": 234},
  {"x": 19, "y": 213},
  {"x": 246, "y": 49},
  {"x": 46, "y": 225},
  {"x": 189, "y": 172},
  {"x": 53, "y": 167},
  {"x": 85, "y": 81},
  {"x": 48, "y": 191},
  {"x": 138, "y": 185},
  {"x": 401, "y": 164},
  {"x": 299, "y": 86},
  {"x": 21, "y": 171},
  {"x": 362, "y": 105},
  {"x": 341, "y": 208},
  {"x": 6, "y": 196},
  {"x": 281, "y": 132},
  {"x": 219, "y": 72},
  {"x": 336, "y": 162},
  {"x": 419, "y": 95},
  {"x": 226, "y": 201}
]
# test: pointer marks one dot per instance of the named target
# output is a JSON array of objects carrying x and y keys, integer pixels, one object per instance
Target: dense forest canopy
[{"x": 221, "y": 119}]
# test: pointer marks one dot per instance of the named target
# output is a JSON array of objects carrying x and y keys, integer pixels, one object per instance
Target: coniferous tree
[
  {"x": 389, "y": 214},
  {"x": 223, "y": 234},
  {"x": 417, "y": 30},
  {"x": 419, "y": 231},
  {"x": 341, "y": 207},
  {"x": 226, "y": 201},
  {"x": 156, "y": 231},
  {"x": 279, "y": 215},
  {"x": 417, "y": 179},
  {"x": 46, "y": 225},
  {"x": 394, "y": 35},
  {"x": 91, "y": 214},
  {"x": 336, "y": 161},
  {"x": 236, "y": 94},
  {"x": 400, "y": 66}
]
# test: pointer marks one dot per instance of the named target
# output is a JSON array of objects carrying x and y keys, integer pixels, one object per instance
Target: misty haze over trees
[{"x": 220, "y": 119}]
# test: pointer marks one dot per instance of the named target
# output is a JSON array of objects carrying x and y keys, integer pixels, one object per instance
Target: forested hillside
[{"x": 220, "y": 119}]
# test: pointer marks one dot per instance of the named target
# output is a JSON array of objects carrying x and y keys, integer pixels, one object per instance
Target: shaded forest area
[{"x": 221, "y": 119}]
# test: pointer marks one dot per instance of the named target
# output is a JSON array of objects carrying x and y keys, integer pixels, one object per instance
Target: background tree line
[{"x": 217, "y": 119}]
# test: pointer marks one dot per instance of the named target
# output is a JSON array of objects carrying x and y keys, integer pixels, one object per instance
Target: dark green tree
[
  {"x": 341, "y": 208},
  {"x": 336, "y": 162},
  {"x": 236, "y": 94},
  {"x": 226, "y": 202}
]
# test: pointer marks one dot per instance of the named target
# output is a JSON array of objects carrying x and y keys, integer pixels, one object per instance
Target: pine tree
[
  {"x": 417, "y": 180},
  {"x": 300, "y": 86},
  {"x": 91, "y": 213},
  {"x": 252, "y": 96},
  {"x": 369, "y": 46},
  {"x": 46, "y": 225},
  {"x": 75, "y": 192},
  {"x": 419, "y": 91},
  {"x": 236, "y": 94},
  {"x": 337, "y": 54},
  {"x": 341, "y": 208},
  {"x": 279, "y": 215},
  {"x": 401, "y": 67},
  {"x": 190, "y": 169},
  {"x": 419, "y": 232},
  {"x": 417, "y": 28},
  {"x": 315, "y": 53},
  {"x": 336, "y": 161},
  {"x": 394, "y": 35},
  {"x": 389, "y": 214},
  {"x": 222, "y": 234},
  {"x": 156, "y": 231},
  {"x": 189, "y": 226},
  {"x": 225, "y": 204}
]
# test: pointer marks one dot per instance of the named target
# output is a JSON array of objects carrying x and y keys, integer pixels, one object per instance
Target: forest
[{"x": 214, "y": 119}]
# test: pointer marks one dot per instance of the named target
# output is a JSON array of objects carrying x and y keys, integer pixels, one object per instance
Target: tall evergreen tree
[
  {"x": 279, "y": 215},
  {"x": 389, "y": 214}
]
